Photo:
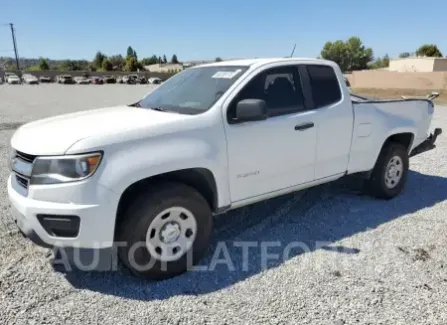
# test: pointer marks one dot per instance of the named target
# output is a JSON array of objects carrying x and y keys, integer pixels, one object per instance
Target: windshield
[{"x": 194, "y": 90}]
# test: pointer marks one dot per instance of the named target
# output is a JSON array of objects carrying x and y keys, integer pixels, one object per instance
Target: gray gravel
[{"x": 368, "y": 262}]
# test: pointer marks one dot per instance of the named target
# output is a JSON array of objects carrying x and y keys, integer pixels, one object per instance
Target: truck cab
[{"x": 148, "y": 177}]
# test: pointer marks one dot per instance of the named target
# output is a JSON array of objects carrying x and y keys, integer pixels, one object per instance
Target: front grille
[
  {"x": 22, "y": 181},
  {"x": 22, "y": 171},
  {"x": 25, "y": 157}
]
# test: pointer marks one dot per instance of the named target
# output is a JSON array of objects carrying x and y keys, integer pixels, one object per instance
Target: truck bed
[
  {"x": 416, "y": 112},
  {"x": 377, "y": 119}
]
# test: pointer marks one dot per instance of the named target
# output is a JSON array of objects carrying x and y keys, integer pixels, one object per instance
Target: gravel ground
[{"x": 366, "y": 262}]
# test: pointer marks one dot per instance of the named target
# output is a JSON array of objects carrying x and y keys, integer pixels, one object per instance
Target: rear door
[{"x": 333, "y": 118}]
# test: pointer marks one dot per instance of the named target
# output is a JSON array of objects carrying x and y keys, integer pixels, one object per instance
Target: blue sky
[{"x": 201, "y": 29}]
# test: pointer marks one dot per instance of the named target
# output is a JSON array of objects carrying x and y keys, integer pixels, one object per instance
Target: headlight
[{"x": 63, "y": 169}]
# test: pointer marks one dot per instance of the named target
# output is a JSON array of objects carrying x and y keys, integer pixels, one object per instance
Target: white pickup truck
[{"x": 148, "y": 177}]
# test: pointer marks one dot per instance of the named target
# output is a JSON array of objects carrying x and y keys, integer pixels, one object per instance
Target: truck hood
[{"x": 55, "y": 135}]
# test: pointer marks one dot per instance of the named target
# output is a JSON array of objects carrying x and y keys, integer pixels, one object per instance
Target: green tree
[
  {"x": 164, "y": 59},
  {"x": 174, "y": 59},
  {"x": 359, "y": 56},
  {"x": 350, "y": 55},
  {"x": 107, "y": 65},
  {"x": 99, "y": 58},
  {"x": 69, "y": 65},
  {"x": 34, "y": 68},
  {"x": 429, "y": 50},
  {"x": 43, "y": 64},
  {"x": 218, "y": 59},
  {"x": 148, "y": 61},
  {"x": 404, "y": 55},
  {"x": 386, "y": 61},
  {"x": 381, "y": 62},
  {"x": 131, "y": 64},
  {"x": 140, "y": 66},
  {"x": 91, "y": 67},
  {"x": 81, "y": 64},
  {"x": 336, "y": 52},
  {"x": 160, "y": 60},
  {"x": 117, "y": 62},
  {"x": 64, "y": 66},
  {"x": 376, "y": 64},
  {"x": 130, "y": 52}
]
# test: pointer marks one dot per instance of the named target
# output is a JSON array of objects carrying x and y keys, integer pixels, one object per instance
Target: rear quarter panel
[{"x": 376, "y": 121}]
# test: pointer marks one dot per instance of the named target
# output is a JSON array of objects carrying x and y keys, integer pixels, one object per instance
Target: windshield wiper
[
  {"x": 155, "y": 108},
  {"x": 137, "y": 104},
  {"x": 158, "y": 108},
  {"x": 161, "y": 109}
]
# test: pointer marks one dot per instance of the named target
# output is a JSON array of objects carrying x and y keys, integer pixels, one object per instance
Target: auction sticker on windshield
[{"x": 226, "y": 74}]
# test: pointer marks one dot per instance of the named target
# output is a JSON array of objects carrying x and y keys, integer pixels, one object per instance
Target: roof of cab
[{"x": 262, "y": 61}]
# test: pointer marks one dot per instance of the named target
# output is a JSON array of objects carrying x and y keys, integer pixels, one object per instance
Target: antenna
[{"x": 293, "y": 51}]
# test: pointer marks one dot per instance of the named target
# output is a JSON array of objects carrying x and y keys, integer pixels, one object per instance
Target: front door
[{"x": 276, "y": 153}]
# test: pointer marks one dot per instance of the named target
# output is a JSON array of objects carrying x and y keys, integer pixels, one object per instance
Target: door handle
[{"x": 304, "y": 126}]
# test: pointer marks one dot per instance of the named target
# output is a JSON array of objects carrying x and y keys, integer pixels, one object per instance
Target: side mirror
[{"x": 251, "y": 110}]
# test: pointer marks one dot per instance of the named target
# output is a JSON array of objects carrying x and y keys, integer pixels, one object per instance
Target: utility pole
[{"x": 15, "y": 46}]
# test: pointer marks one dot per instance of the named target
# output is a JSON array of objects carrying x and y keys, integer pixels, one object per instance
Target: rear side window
[{"x": 325, "y": 86}]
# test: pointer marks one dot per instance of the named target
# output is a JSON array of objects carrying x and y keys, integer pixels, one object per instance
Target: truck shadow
[{"x": 314, "y": 218}]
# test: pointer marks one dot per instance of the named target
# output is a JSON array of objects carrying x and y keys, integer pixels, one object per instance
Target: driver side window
[{"x": 279, "y": 87}]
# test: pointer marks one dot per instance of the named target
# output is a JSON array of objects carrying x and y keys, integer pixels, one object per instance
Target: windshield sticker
[{"x": 226, "y": 74}]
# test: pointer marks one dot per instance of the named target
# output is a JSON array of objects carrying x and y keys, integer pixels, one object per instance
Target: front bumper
[
  {"x": 427, "y": 144},
  {"x": 94, "y": 204},
  {"x": 92, "y": 248}
]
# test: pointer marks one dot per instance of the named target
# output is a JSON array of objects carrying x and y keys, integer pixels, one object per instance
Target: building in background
[
  {"x": 164, "y": 67},
  {"x": 418, "y": 64}
]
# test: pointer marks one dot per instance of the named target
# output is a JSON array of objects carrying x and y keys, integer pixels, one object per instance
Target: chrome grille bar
[{"x": 22, "y": 167}]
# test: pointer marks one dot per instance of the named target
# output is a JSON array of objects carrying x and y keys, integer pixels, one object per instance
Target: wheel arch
[
  {"x": 404, "y": 138},
  {"x": 201, "y": 179}
]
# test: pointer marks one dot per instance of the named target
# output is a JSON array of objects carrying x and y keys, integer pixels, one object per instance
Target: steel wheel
[
  {"x": 171, "y": 234},
  {"x": 394, "y": 172}
]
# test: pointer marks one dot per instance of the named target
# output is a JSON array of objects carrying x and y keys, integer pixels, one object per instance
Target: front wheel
[
  {"x": 390, "y": 172},
  {"x": 165, "y": 231}
]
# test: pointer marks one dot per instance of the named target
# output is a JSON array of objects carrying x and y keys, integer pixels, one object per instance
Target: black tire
[
  {"x": 142, "y": 212},
  {"x": 376, "y": 185}
]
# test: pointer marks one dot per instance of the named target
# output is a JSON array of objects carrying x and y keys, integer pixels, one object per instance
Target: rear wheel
[
  {"x": 390, "y": 172},
  {"x": 166, "y": 230}
]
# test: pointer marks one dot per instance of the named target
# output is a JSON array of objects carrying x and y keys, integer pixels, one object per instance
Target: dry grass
[{"x": 397, "y": 93}]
